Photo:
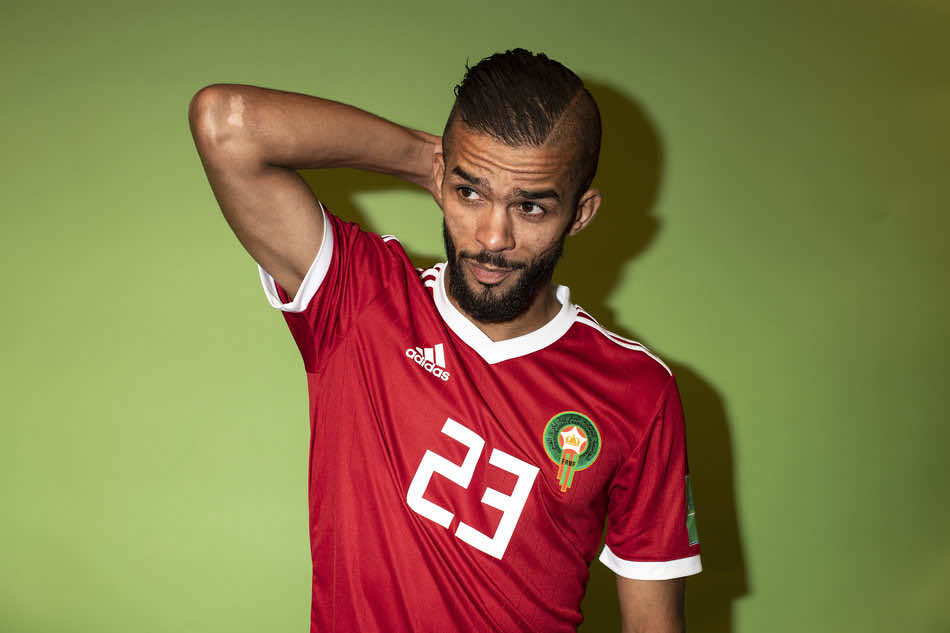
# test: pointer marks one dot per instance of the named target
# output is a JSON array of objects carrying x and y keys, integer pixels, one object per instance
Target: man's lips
[{"x": 488, "y": 275}]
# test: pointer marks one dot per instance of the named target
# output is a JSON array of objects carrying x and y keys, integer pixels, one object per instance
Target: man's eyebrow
[
  {"x": 537, "y": 195},
  {"x": 467, "y": 176}
]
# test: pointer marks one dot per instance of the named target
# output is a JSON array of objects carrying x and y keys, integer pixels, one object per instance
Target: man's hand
[
  {"x": 652, "y": 606},
  {"x": 433, "y": 145},
  {"x": 251, "y": 142}
]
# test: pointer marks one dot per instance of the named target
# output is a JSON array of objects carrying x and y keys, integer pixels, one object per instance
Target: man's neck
[{"x": 544, "y": 308}]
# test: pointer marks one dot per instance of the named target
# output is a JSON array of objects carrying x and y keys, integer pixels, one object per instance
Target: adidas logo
[{"x": 431, "y": 359}]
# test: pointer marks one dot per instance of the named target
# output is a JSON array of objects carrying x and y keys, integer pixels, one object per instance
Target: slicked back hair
[{"x": 523, "y": 98}]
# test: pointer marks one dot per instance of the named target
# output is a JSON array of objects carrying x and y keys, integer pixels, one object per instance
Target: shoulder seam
[{"x": 583, "y": 317}]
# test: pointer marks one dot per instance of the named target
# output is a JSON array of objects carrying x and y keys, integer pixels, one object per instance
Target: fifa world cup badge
[{"x": 572, "y": 441}]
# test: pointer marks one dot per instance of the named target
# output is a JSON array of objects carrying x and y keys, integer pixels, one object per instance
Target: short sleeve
[
  {"x": 651, "y": 524},
  {"x": 351, "y": 267}
]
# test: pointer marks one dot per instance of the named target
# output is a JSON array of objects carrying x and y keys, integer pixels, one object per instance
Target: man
[{"x": 471, "y": 428}]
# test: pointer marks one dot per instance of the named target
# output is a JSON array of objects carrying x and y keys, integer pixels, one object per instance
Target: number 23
[{"x": 510, "y": 505}]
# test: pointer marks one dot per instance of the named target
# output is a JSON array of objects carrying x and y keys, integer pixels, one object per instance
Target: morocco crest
[{"x": 572, "y": 441}]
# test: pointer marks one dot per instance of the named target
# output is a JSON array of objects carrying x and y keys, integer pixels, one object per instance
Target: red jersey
[{"x": 462, "y": 484}]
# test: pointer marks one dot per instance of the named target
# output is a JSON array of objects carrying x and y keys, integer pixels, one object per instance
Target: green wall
[{"x": 774, "y": 225}]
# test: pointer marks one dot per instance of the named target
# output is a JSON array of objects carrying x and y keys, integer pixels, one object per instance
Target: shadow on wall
[{"x": 629, "y": 174}]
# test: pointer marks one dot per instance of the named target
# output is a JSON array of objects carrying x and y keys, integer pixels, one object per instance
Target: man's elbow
[{"x": 216, "y": 115}]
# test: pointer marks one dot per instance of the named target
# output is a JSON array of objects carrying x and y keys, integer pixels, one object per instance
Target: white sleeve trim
[
  {"x": 660, "y": 570},
  {"x": 311, "y": 281}
]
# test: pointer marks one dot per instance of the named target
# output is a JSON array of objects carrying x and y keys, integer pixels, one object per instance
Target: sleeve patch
[{"x": 691, "y": 515}]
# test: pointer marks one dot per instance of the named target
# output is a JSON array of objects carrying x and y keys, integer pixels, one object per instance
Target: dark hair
[{"x": 521, "y": 98}]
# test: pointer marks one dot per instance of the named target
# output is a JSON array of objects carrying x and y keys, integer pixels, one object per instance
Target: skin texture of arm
[
  {"x": 252, "y": 140},
  {"x": 652, "y": 606}
]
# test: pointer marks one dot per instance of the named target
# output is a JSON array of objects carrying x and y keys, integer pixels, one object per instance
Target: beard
[{"x": 490, "y": 304}]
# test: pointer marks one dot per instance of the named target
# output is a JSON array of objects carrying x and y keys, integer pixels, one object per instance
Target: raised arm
[
  {"x": 251, "y": 142},
  {"x": 652, "y": 606}
]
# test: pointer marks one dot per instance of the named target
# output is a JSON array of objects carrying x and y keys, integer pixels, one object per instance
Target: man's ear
[
  {"x": 438, "y": 173},
  {"x": 586, "y": 210}
]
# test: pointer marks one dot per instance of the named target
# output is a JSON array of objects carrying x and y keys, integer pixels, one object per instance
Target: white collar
[{"x": 497, "y": 351}]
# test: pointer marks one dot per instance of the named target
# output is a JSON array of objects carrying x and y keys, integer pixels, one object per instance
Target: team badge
[{"x": 572, "y": 441}]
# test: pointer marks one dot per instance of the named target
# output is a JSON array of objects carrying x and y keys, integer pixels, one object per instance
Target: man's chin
[{"x": 480, "y": 301}]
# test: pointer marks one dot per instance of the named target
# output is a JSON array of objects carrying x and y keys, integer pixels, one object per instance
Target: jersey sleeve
[
  {"x": 350, "y": 269},
  {"x": 651, "y": 527}
]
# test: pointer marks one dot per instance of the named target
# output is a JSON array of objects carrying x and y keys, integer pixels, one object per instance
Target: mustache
[{"x": 492, "y": 259}]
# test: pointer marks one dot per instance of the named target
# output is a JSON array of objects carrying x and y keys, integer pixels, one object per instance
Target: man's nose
[{"x": 494, "y": 231}]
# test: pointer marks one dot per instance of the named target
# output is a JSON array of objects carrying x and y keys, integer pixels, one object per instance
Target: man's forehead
[
  {"x": 476, "y": 155},
  {"x": 533, "y": 189}
]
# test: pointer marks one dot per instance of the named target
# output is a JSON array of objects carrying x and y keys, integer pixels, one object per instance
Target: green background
[{"x": 774, "y": 225}]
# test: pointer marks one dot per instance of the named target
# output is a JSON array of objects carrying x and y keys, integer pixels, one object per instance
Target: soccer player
[{"x": 472, "y": 429}]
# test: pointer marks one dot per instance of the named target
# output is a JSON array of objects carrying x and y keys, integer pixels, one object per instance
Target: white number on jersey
[
  {"x": 510, "y": 505},
  {"x": 435, "y": 463}
]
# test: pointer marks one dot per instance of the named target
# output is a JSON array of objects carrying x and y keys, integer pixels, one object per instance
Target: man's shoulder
[
  {"x": 627, "y": 380},
  {"x": 629, "y": 358}
]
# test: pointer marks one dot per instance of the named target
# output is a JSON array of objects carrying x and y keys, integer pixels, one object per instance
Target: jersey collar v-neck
[{"x": 497, "y": 351}]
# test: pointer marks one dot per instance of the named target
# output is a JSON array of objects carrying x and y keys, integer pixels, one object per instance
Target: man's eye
[
  {"x": 467, "y": 193},
  {"x": 532, "y": 208}
]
